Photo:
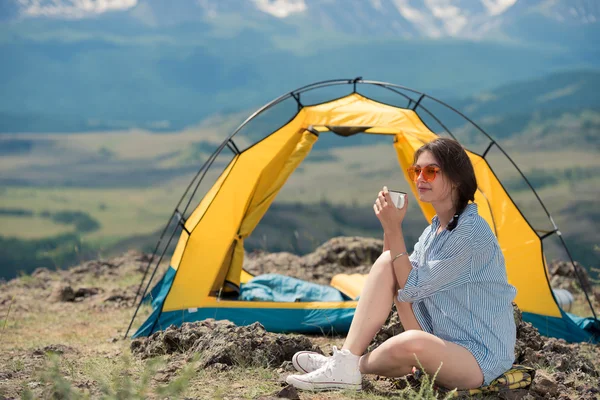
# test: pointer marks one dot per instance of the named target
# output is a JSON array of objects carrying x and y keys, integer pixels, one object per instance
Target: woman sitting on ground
[{"x": 452, "y": 294}]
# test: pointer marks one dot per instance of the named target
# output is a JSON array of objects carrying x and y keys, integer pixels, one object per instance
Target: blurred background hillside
[{"x": 109, "y": 107}]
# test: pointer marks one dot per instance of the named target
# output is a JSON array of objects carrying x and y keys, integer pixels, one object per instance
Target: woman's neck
[{"x": 445, "y": 212}]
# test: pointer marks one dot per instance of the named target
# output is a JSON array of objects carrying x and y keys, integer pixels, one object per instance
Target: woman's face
[{"x": 437, "y": 191}]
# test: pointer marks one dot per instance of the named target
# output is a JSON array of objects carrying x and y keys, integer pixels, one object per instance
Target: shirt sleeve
[
  {"x": 415, "y": 255},
  {"x": 449, "y": 267}
]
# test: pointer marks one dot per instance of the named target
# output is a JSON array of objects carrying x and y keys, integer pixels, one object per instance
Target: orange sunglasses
[{"x": 429, "y": 172}]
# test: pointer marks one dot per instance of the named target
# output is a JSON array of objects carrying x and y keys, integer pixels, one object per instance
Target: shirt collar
[{"x": 470, "y": 209}]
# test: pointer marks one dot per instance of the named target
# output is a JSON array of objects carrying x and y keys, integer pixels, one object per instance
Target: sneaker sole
[{"x": 321, "y": 386}]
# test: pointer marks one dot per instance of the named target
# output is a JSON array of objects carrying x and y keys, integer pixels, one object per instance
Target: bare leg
[
  {"x": 397, "y": 355},
  {"x": 373, "y": 306}
]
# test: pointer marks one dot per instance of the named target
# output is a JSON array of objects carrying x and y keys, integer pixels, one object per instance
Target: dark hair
[{"x": 456, "y": 165}]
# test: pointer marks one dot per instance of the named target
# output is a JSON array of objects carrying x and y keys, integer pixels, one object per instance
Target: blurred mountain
[
  {"x": 76, "y": 65},
  {"x": 403, "y": 18},
  {"x": 567, "y": 90}
]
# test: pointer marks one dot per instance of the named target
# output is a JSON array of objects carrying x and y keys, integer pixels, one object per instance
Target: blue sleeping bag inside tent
[{"x": 281, "y": 288}]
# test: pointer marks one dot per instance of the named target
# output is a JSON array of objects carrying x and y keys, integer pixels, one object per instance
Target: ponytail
[{"x": 462, "y": 204}]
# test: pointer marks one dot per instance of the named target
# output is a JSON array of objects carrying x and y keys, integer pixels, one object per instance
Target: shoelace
[
  {"x": 332, "y": 362},
  {"x": 312, "y": 362}
]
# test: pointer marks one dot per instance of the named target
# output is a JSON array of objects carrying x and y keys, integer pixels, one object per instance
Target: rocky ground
[{"x": 61, "y": 336}]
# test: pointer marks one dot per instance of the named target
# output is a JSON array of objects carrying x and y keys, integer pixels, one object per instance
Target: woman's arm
[
  {"x": 401, "y": 265},
  {"x": 393, "y": 240}
]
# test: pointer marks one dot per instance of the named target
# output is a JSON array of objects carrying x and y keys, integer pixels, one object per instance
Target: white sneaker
[
  {"x": 339, "y": 372},
  {"x": 308, "y": 361}
]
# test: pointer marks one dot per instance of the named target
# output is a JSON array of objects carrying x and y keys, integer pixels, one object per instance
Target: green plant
[
  {"x": 427, "y": 389},
  {"x": 58, "y": 386},
  {"x": 122, "y": 384},
  {"x": 179, "y": 385},
  {"x": 17, "y": 365},
  {"x": 124, "y": 381},
  {"x": 8, "y": 313}
]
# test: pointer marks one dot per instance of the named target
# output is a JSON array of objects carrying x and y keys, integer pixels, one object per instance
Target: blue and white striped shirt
[{"x": 459, "y": 291}]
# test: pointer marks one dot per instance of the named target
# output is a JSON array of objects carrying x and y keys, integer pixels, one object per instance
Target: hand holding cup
[{"x": 390, "y": 208}]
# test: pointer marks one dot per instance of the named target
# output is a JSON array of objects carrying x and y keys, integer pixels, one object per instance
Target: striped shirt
[{"x": 459, "y": 291}]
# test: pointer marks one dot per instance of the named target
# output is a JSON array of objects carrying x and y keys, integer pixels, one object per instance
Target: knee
[
  {"x": 410, "y": 344},
  {"x": 383, "y": 262},
  {"x": 382, "y": 267}
]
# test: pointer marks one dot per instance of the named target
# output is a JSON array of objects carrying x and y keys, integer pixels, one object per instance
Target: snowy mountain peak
[
  {"x": 72, "y": 9},
  {"x": 473, "y": 19},
  {"x": 280, "y": 8}
]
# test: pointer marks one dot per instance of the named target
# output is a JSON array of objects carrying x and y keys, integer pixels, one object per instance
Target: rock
[
  {"x": 121, "y": 296},
  {"x": 533, "y": 350},
  {"x": 169, "y": 372},
  {"x": 515, "y": 394},
  {"x": 529, "y": 341},
  {"x": 288, "y": 392},
  {"x": 95, "y": 267},
  {"x": 559, "y": 376},
  {"x": 561, "y": 268},
  {"x": 567, "y": 275},
  {"x": 85, "y": 384},
  {"x": 544, "y": 385},
  {"x": 338, "y": 255},
  {"x": 346, "y": 251},
  {"x": 4, "y": 376},
  {"x": 220, "y": 367},
  {"x": 83, "y": 292},
  {"x": 259, "y": 263},
  {"x": 286, "y": 366},
  {"x": 61, "y": 293},
  {"x": 53, "y": 348},
  {"x": 111, "y": 267},
  {"x": 43, "y": 274},
  {"x": 222, "y": 342}
]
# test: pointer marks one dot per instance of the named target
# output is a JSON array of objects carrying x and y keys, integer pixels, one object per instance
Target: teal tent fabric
[
  {"x": 281, "y": 288},
  {"x": 569, "y": 327},
  {"x": 322, "y": 321},
  {"x": 590, "y": 325},
  {"x": 317, "y": 321},
  {"x": 336, "y": 320},
  {"x": 153, "y": 296}
]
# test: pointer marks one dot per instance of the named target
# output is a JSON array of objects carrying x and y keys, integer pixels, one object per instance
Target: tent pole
[
  {"x": 417, "y": 104},
  {"x": 149, "y": 282},
  {"x": 206, "y": 165},
  {"x": 579, "y": 278},
  {"x": 151, "y": 259}
]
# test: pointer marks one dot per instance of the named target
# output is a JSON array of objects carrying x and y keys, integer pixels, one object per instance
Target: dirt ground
[{"x": 61, "y": 336}]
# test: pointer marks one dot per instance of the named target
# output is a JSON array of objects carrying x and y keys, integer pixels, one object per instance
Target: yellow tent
[{"x": 208, "y": 258}]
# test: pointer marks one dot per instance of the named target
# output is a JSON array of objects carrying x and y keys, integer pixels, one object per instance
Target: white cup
[{"x": 399, "y": 198}]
